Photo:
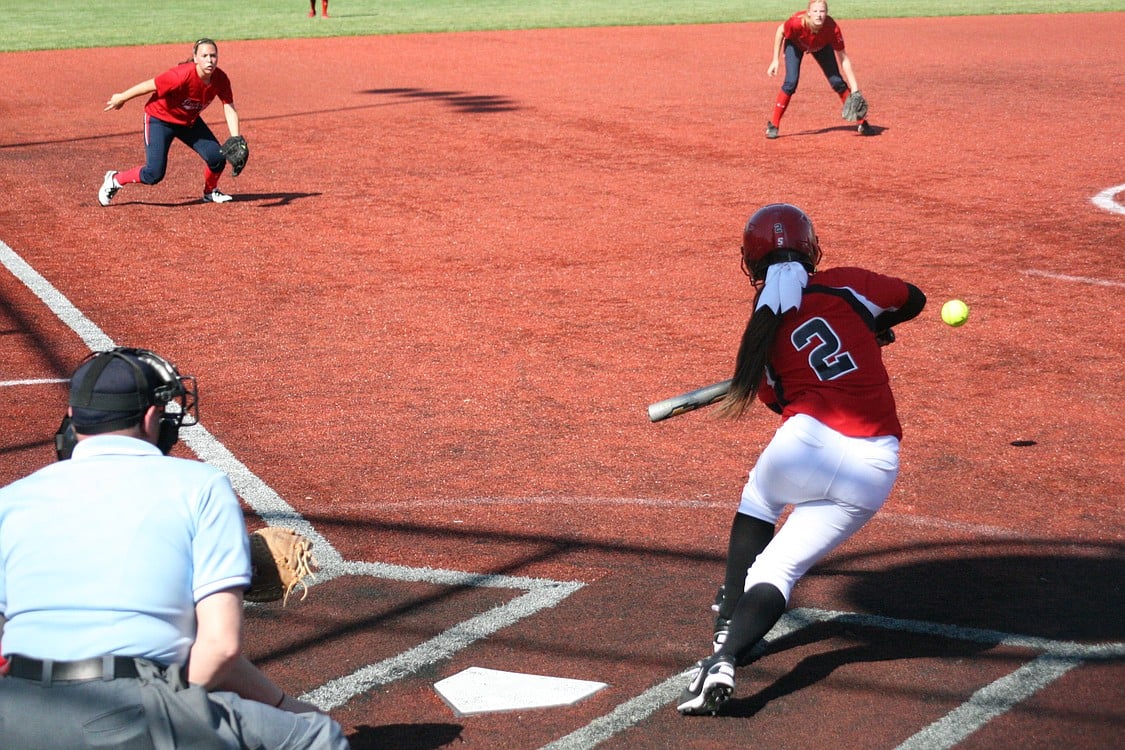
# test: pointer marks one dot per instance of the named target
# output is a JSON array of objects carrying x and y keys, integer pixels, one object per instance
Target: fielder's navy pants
[
  {"x": 825, "y": 57},
  {"x": 158, "y": 139}
]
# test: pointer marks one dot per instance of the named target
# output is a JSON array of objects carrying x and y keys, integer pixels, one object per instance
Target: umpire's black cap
[{"x": 111, "y": 391}]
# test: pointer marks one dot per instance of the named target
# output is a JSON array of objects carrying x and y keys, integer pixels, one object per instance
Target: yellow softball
[{"x": 955, "y": 312}]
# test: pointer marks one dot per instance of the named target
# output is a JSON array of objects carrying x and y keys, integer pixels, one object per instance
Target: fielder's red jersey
[
  {"x": 829, "y": 33},
  {"x": 825, "y": 361},
  {"x": 181, "y": 95}
]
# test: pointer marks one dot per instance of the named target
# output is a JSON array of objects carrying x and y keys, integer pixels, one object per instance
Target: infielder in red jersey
[
  {"x": 815, "y": 32},
  {"x": 811, "y": 352},
  {"x": 178, "y": 97}
]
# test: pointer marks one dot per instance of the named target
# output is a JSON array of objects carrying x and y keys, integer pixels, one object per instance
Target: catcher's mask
[
  {"x": 112, "y": 390},
  {"x": 777, "y": 233}
]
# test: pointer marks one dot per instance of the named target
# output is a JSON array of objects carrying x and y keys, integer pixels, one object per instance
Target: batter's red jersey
[
  {"x": 829, "y": 33},
  {"x": 825, "y": 361},
  {"x": 181, "y": 94}
]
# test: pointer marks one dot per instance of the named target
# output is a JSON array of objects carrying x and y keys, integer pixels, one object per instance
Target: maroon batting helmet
[{"x": 777, "y": 233}]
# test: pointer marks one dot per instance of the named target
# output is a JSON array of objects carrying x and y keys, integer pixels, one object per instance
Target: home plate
[{"x": 477, "y": 690}]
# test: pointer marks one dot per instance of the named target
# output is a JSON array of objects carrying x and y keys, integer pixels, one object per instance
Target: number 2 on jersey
[{"x": 826, "y": 359}]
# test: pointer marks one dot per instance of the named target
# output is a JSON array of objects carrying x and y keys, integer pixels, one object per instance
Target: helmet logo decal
[{"x": 779, "y": 230}]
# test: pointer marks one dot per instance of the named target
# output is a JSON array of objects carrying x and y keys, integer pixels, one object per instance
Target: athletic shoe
[
  {"x": 864, "y": 128},
  {"x": 216, "y": 196},
  {"x": 108, "y": 189},
  {"x": 771, "y": 130},
  {"x": 722, "y": 629},
  {"x": 312, "y": 14},
  {"x": 711, "y": 685}
]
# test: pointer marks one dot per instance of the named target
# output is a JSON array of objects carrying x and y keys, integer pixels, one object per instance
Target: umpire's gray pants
[{"x": 154, "y": 712}]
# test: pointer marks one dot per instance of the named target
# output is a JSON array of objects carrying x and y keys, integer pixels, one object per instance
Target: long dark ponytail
[{"x": 750, "y": 364}]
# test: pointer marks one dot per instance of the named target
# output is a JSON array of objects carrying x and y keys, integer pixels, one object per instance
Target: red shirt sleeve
[{"x": 837, "y": 36}]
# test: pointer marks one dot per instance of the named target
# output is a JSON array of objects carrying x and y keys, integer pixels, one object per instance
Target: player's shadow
[
  {"x": 970, "y": 596},
  {"x": 457, "y": 100},
  {"x": 876, "y": 130},
  {"x": 404, "y": 736},
  {"x": 1048, "y": 589},
  {"x": 870, "y": 644},
  {"x": 267, "y": 200}
]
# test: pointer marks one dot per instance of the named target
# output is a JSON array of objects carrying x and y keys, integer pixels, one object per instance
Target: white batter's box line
[
  {"x": 636, "y": 710},
  {"x": 1051, "y": 648},
  {"x": 442, "y": 647},
  {"x": 392, "y": 572},
  {"x": 276, "y": 512},
  {"x": 1056, "y": 659}
]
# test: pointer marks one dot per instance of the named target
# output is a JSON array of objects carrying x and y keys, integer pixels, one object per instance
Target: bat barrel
[{"x": 686, "y": 402}]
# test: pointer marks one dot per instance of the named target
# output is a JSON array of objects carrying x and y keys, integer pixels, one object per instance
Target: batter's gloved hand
[
  {"x": 855, "y": 107},
  {"x": 280, "y": 561},
  {"x": 236, "y": 152}
]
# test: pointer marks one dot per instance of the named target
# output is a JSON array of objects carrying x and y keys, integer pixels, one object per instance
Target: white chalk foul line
[
  {"x": 90, "y": 334},
  {"x": 37, "y": 381},
  {"x": 540, "y": 593}
]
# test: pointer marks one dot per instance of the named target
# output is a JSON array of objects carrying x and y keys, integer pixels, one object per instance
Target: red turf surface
[{"x": 458, "y": 267}]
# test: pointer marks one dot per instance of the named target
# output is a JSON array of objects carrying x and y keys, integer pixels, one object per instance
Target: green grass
[{"x": 58, "y": 24}]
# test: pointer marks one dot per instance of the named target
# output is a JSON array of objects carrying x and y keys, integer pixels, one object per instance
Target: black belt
[{"x": 48, "y": 671}]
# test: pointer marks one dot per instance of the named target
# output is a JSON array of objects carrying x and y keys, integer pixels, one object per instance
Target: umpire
[{"x": 121, "y": 579}]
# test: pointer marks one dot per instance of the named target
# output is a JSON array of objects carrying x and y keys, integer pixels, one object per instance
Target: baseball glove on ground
[
  {"x": 236, "y": 152},
  {"x": 280, "y": 560},
  {"x": 855, "y": 108}
]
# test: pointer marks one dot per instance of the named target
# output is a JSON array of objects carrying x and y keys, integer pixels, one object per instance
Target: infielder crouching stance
[
  {"x": 178, "y": 97},
  {"x": 122, "y": 572},
  {"x": 813, "y": 31},
  {"x": 811, "y": 352}
]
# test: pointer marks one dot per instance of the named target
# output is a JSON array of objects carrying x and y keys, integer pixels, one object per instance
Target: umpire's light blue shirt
[{"x": 108, "y": 552}]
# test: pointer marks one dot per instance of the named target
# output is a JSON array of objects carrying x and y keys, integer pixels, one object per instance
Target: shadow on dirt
[
  {"x": 1057, "y": 591},
  {"x": 1047, "y": 589},
  {"x": 404, "y": 736},
  {"x": 267, "y": 200},
  {"x": 870, "y": 645},
  {"x": 457, "y": 100}
]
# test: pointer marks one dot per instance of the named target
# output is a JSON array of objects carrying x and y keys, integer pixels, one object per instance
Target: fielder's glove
[
  {"x": 855, "y": 108},
  {"x": 236, "y": 152},
  {"x": 280, "y": 560},
  {"x": 885, "y": 338}
]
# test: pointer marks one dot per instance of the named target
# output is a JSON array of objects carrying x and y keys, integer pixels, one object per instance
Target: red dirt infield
[{"x": 457, "y": 269}]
